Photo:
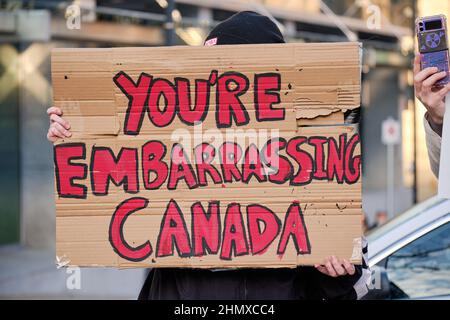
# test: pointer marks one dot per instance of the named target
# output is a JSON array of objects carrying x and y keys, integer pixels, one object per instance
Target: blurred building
[{"x": 30, "y": 29}]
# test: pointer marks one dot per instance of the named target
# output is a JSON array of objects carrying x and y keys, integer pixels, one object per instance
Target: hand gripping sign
[{"x": 208, "y": 157}]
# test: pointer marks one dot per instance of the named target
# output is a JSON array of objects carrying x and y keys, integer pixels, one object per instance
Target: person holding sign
[{"x": 335, "y": 278}]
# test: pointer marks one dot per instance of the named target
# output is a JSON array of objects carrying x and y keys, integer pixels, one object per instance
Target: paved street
[{"x": 32, "y": 274}]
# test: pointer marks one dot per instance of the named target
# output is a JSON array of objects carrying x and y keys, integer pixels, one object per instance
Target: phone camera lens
[
  {"x": 420, "y": 29},
  {"x": 421, "y": 23}
]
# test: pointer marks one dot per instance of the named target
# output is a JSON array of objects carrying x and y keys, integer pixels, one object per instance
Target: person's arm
[
  {"x": 433, "y": 135},
  {"x": 434, "y": 101},
  {"x": 59, "y": 128}
]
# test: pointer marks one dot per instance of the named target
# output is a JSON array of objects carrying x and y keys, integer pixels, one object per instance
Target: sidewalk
[{"x": 32, "y": 274}]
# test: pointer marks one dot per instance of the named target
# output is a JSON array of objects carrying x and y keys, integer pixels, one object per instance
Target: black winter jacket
[{"x": 303, "y": 283}]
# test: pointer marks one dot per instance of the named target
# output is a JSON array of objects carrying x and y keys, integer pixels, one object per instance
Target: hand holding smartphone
[{"x": 433, "y": 46}]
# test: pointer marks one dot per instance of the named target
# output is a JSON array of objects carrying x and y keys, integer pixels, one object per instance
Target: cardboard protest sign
[{"x": 234, "y": 156}]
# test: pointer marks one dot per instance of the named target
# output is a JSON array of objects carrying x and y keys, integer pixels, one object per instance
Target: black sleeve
[{"x": 335, "y": 288}]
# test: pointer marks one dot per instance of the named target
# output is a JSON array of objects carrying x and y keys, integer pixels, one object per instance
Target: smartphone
[{"x": 433, "y": 45}]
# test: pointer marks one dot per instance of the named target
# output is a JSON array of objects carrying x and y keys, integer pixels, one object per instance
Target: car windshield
[
  {"x": 409, "y": 214},
  {"x": 422, "y": 268}
]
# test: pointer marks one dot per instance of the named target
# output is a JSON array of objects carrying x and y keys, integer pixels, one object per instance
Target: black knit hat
[{"x": 245, "y": 27}]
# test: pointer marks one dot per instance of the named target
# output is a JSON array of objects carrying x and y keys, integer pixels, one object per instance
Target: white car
[{"x": 410, "y": 255}]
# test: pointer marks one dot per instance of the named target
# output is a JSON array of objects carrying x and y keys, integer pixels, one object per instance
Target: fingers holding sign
[
  {"x": 335, "y": 267},
  {"x": 59, "y": 128}
]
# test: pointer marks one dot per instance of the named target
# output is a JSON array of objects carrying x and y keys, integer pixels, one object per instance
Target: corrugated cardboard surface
[{"x": 318, "y": 83}]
